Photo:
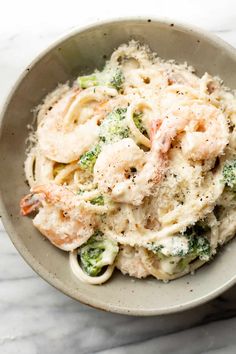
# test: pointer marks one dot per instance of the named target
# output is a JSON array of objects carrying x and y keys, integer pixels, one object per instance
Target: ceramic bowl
[{"x": 81, "y": 52}]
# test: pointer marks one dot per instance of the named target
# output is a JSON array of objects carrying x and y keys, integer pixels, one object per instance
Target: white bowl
[{"x": 82, "y": 51}]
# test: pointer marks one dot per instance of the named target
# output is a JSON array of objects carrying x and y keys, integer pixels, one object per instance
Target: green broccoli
[
  {"x": 139, "y": 123},
  {"x": 229, "y": 174},
  {"x": 88, "y": 159},
  {"x": 88, "y": 81},
  {"x": 97, "y": 253},
  {"x": 189, "y": 245},
  {"x": 112, "y": 77},
  {"x": 98, "y": 200},
  {"x": 114, "y": 127},
  {"x": 174, "y": 246},
  {"x": 117, "y": 80},
  {"x": 199, "y": 245}
]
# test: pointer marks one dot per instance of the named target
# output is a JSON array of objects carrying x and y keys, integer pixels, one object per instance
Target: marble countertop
[{"x": 35, "y": 318}]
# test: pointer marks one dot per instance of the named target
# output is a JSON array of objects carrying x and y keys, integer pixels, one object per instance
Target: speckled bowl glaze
[{"x": 80, "y": 52}]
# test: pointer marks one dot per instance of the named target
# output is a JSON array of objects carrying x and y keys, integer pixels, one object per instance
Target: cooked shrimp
[
  {"x": 62, "y": 218},
  {"x": 128, "y": 174},
  {"x": 70, "y": 122},
  {"x": 205, "y": 128},
  {"x": 116, "y": 170},
  {"x": 29, "y": 204},
  {"x": 129, "y": 262}
]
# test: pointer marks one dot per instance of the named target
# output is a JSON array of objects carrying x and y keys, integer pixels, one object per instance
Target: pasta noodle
[{"x": 134, "y": 167}]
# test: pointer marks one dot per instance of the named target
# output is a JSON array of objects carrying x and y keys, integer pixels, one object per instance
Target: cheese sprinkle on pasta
[{"x": 134, "y": 167}]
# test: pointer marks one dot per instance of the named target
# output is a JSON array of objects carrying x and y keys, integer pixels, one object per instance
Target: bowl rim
[{"x": 6, "y": 220}]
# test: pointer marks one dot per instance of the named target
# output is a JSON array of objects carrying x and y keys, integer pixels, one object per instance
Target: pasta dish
[{"x": 134, "y": 167}]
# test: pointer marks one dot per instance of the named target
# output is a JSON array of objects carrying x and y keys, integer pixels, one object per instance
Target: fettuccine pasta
[{"x": 134, "y": 167}]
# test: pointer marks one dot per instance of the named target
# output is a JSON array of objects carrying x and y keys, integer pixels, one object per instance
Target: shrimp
[
  {"x": 129, "y": 262},
  {"x": 126, "y": 172},
  {"x": 29, "y": 204},
  {"x": 63, "y": 218},
  {"x": 116, "y": 165},
  {"x": 129, "y": 174},
  {"x": 205, "y": 131},
  {"x": 71, "y": 121}
]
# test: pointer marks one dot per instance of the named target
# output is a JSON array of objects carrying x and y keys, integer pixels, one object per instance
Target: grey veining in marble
[{"x": 35, "y": 318}]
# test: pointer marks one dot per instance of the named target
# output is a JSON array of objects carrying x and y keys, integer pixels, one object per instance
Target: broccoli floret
[
  {"x": 229, "y": 174},
  {"x": 176, "y": 246},
  {"x": 97, "y": 253},
  {"x": 117, "y": 79},
  {"x": 199, "y": 245},
  {"x": 88, "y": 81},
  {"x": 180, "y": 250},
  {"x": 139, "y": 123},
  {"x": 114, "y": 127},
  {"x": 190, "y": 245},
  {"x": 88, "y": 159},
  {"x": 112, "y": 77},
  {"x": 98, "y": 200}
]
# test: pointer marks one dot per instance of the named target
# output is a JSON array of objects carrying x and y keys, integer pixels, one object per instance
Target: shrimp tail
[{"x": 29, "y": 204}]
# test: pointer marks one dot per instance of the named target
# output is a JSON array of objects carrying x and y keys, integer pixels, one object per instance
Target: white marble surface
[{"x": 36, "y": 318}]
